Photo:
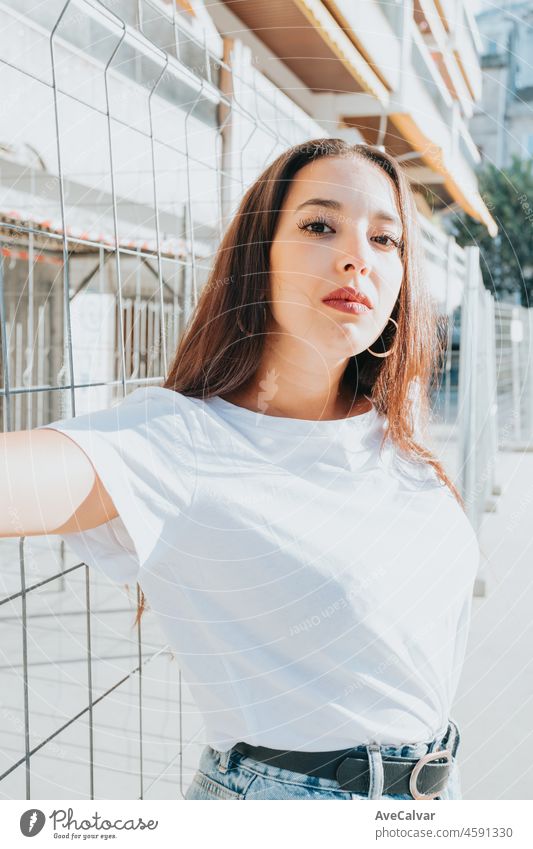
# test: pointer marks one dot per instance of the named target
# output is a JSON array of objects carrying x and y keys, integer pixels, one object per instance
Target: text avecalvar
[{"x": 405, "y": 815}]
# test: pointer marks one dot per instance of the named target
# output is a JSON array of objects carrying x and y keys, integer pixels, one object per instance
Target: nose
[
  {"x": 355, "y": 258},
  {"x": 355, "y": 254}
]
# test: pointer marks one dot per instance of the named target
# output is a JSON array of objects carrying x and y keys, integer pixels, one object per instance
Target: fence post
[
  {"x": 448, "y": 307},
  {"x": 228, "y": 129},
  {"x": 529, "y": 419},
  {"x": 492, "y": 394},
  {"x": 516, "y": 339},
  {"x": 467, "y": 383}
]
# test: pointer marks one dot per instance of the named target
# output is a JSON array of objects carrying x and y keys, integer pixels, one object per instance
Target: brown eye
[
  {"x": 392, "y": 242},
  {"x": 320, "y": 222}
]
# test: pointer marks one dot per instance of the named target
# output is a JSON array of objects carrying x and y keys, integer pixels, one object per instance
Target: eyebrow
[{"x": 329, "y": 203}]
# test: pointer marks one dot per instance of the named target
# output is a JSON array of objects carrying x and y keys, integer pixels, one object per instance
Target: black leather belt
[{"x": 422, "y": 778}]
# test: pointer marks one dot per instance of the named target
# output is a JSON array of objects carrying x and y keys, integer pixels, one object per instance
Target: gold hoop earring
[{"x": 389, "y": 352}]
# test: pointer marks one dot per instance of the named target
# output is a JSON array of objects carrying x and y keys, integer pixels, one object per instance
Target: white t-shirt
[{"x": 316, "y": 593}]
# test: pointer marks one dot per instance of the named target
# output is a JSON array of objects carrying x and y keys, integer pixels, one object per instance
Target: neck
[{"x": 285, "y": 386}]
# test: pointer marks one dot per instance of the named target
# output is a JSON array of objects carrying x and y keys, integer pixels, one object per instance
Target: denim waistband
[{"x": 449, "y": 739}]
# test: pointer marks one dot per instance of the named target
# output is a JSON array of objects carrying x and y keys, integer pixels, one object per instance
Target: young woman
[{"x": 308, "y": 559}]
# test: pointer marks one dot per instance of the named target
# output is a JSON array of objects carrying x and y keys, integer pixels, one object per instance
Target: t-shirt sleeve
[{"x": 141, "y": 448}]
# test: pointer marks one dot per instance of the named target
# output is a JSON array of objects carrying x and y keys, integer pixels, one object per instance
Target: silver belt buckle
[{"x": 431, "y": 756}]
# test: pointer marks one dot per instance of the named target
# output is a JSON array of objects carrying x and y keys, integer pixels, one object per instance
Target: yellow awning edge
[
  {"x": 432, "y": 154},
  {"x": 345, "y": 50}
]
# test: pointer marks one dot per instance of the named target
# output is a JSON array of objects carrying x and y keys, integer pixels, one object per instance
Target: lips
[{"x": 346, "y": 293}]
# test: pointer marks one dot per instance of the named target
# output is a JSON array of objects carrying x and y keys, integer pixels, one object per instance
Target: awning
[
  {"x": 402, "y": 136},
  {"x": 80, "y": 240},
  {"x": 18, "y": 225},
  {"x": 465, "y": 194},
  {"x": 310, "y": 42}
]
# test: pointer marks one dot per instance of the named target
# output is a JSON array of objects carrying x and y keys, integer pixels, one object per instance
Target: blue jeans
[{"x": 231, "y": 775}]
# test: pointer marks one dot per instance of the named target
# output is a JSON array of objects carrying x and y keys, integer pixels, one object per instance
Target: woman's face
[{"x": 352, "y": 242}]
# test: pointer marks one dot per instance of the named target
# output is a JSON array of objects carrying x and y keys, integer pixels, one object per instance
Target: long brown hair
[{"x": 214, "y": 355}]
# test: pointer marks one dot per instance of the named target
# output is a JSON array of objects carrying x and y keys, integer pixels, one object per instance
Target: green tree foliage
[{"x": 507, "y": 260}]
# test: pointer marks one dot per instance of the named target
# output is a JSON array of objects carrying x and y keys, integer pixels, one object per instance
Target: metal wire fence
[
  {"x": 486, "y": 389},
  {"x": 477, "y": 410},
  {"x": 130, "y": 138}
]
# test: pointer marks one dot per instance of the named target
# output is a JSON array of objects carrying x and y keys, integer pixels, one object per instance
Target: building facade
[
  {"x": 130, "y": 130},
  {"x": 502, "y": 124}
]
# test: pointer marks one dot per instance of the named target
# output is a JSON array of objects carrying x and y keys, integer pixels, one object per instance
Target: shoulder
[
  {"x": 163, "y": 415},
  {"x": 149, "y": 418},
  {"x": 153, "y": 405},
  {"x": 155, "y": 398}
]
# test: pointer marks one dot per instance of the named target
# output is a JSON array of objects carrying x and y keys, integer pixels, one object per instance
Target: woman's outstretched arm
[{"x": 48, "y": 485}]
